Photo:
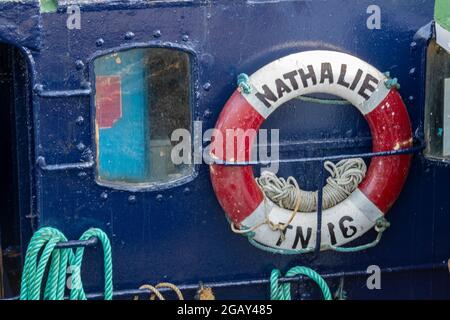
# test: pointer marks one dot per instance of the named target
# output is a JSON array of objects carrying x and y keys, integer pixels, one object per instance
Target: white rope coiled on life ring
[{"x": 345, "y": 176}]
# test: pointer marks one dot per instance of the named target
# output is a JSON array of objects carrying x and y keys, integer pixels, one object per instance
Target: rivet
[
  {"x": 79, "y": 121},
  {"x": 159, "y": 198},
  {"x": 38, "y": 88},
  {"x": 104, "y": 195},
  {"x": 185, "y": 38},
  {"x": 412, "y": 71},
  {"x": 81, "y": 146},
  {"x": 99, "y": 42},
  {"x": 157, "y": 33},
  {"x": 85, "y": 84},
  {"x": 132, "y": 199},
  {"x": 207, "y": 114},
  {"x": 129, "y": 35},
  {"x": 207, "y": 86},
  {"x": 413, "y": 45},
  {"x": 79, "y": 64},
  {"x": 82, "y": 174},
  {"x": 186, "y": 191}
]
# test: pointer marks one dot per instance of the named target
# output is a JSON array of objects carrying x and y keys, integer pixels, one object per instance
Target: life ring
[{"x": 298, "y": 74}]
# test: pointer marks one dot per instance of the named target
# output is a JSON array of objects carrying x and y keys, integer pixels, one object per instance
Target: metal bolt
[
  {"x": 79, "y": 121},
  {"x": 38, "y": 88},
  {"x": 79, "y": 64},
  {"x": 132, "y": 199},
  {"x": 81, "y": 146},
  {"x": 157, "y": 33},
  {"x": 99, "y": 42},
  {"x": 207, "y": 114},
  {"x": 129, "y": 35},
  {"x": 207, "y": 86}
]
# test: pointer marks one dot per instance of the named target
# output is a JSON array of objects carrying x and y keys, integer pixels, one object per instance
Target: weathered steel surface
[{"x": 180, "y": 233}]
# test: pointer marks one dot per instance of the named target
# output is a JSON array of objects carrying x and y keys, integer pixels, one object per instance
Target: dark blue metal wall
[{"x": 180, "y": 234}]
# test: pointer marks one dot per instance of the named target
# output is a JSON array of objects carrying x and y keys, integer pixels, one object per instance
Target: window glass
[
  {"x": 437, "y": 102},
  {"x": 142, "y": 96}
]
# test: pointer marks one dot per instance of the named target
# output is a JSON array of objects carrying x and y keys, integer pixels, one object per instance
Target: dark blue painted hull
[{"x": 180, "y": 234}]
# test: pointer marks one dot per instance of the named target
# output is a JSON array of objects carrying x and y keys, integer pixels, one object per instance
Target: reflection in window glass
[
  {"x": 142, "y": 96},
  {"x": 437, "y": 102}
]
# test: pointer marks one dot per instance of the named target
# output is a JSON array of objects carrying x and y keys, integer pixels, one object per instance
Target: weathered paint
[
  {"x": 123, "y": 151},
  {"x": 185, "y": 220},
  {"x": 327, "y": 72}
]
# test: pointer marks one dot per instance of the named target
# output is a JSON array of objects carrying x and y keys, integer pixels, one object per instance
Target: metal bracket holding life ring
[{"x": 271, "y": 86}]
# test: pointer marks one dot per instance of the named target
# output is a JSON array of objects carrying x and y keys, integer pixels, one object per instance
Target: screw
[
  {"x": 157, "y": 33},
  {"x": 99, "y": 42},
  {"x": 129, "y": 35},
  {"x": 132, "y": 199},
  {"x": 207, "y": 86},
  {"x": 79, "y": 64}
]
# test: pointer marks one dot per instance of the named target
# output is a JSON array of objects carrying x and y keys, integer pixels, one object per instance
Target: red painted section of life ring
[
  {"x": 391, "y": 130},
  {"x": 239, "y": 195},
  {"x": 235, "y": 187}
]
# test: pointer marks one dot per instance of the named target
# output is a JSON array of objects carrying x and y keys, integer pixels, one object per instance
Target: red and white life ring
[{"x": 303, "y": 73}]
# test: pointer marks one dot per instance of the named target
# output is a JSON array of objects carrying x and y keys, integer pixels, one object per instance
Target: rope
[
  {"x": 42, "y": 250},
  {"x": 157, "y": 294},
  {"x": 391, "y": 82},
  {"x": 77, "y": 292},
  {"x": 283, "y": 291},
  {"x": 380, "y": 226},
  {"x": 345, "y": 176},
  {"x": 205, "y": 293},
  {"x": 243, "y": 82},
  {"x": 44, "y": 240}
]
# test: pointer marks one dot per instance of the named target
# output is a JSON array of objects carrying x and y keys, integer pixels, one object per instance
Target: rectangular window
[
  {"x": 142, "y": 96},
  {"x": 437, "y": 102}
]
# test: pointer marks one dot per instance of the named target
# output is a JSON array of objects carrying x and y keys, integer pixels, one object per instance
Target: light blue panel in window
[{"x": 122, "y": 141}]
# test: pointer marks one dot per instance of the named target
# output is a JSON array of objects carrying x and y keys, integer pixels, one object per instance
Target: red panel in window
[{"x": 108, "y": 100}]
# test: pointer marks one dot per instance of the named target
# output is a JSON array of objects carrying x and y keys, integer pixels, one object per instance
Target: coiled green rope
[
  {"x": 77, "y": 292},
  {"x": 283, "y": 291},
  {"x": 42, "y": 249}
]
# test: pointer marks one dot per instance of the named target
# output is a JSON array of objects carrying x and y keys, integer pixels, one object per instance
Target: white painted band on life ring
[
  {"x": 318, "y": 71},
  {"x": 341, "y": 224}
]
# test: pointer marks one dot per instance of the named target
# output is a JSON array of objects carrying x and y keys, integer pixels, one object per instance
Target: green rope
[
  {"x": 263, "y": 247},
  {"x": 42, "y": 250},
  {"x": 380, "y": 227},
  {"x": 391, "y": 82},
  {"x": 243, "y": 82},
  {"x": 77, "y": 293},
  {"x": 44, "y": 240},
  {"x": 283, "y": 291}
]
